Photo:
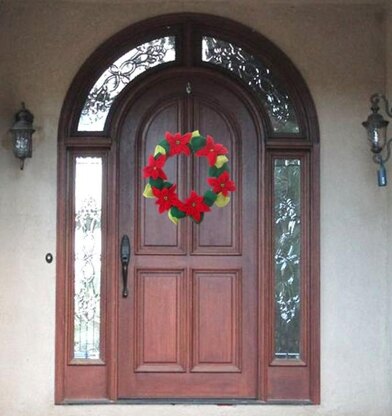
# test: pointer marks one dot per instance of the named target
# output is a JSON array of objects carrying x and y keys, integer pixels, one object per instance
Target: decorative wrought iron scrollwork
[
  {"x": 258, "y": 77},
  {"x": 118, "y": 75}
]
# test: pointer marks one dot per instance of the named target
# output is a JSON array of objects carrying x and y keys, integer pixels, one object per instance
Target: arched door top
[{"x": 190, "y": 40}]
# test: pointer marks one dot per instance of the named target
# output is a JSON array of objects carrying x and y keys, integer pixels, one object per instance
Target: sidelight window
[
  {"x": 88, "y": 251},
  {"x": 287, "y": 256}
]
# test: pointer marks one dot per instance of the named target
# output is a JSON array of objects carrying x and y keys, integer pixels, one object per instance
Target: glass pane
[
  {"x": 120, "y": 74},
  {"x": 287, "y": 224},
  {"x": 258, "y": 77},
  {"x": 88, "y": 236}
]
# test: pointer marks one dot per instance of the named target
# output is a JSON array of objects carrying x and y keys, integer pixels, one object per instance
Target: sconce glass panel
[
  {"x": 87, "y": 264},
  {"x": 118, "y": 75},
  {"x": 22, "y": 143},
  {"x": 258, "y": 77},
  {"x": 287, "y": 224}
]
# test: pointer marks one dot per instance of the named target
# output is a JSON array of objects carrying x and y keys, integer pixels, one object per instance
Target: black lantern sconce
[
  {"x": 376, "y": 127},
  {"x": 22, "y": 134}
]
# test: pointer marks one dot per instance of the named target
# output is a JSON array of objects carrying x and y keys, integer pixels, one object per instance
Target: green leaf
[
  {"x": 210, "y": 198},
  {"x": 174, "y": 220},
  {"x": 214, "y": 172},
  {"x": 221, "y": 200},
  {"x": 177, "y": 213},
  {"x": 156, "y": 183},
  {"x": 159, "y": 150},
  {"x": 165, "y": 144},
  {"x": 166, "y": 185},
  {"x": 197, "y": 143}
]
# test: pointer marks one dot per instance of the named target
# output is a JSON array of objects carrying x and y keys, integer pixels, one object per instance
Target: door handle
[{"x": 125, "y": 253}]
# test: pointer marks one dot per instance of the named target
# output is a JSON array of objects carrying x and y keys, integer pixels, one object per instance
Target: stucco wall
[
  {"x": 388, "y": 48},
  {"x": 42, "y": 46},
  {"x": 388, "y": 52}
]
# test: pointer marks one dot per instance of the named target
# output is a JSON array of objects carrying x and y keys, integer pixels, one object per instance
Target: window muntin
[
  {"x": 87, "y": 258},
  {"x": 287, "y": 256},
  {"x": 258, "y": 77},
  {"x": 118, "y": 75}
]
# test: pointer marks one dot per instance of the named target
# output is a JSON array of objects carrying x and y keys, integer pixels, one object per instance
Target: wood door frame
[{"x": 71, "y": 379}]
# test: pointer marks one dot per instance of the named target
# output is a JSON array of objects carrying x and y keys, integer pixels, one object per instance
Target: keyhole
[{"x": 188, "y": 88}]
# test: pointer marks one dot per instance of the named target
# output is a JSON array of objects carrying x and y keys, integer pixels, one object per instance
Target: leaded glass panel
[
  {"x": 115, "y": 78},
  {"x": 88, "y": 242},
  {"x": 258, "y": 77},
  {"x": 287, "y": 224}
]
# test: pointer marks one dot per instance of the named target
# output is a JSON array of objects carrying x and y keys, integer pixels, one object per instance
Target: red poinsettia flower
[
  {"x": 212, "y": 150},
  {"x": 166, "y": 198},
  {"x": 178, "y": 144},
  {"x": 194, "y": 206},
  {"x": 154, "y": 167},
  {"x": 222, "y": 184}
]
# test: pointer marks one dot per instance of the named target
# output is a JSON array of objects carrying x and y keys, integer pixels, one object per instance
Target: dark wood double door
[{"x": 189, "y": 327}]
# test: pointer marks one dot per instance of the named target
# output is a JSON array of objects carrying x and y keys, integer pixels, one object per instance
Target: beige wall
[
  {"x": 388, "y": 53},
  {"x": 388, "y": 49},
  {"x": 336, "y": 48}
]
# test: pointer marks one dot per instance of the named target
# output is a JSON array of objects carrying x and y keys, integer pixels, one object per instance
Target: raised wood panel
[
  {"x": 216, "y": 321},
  {"x": 288, "y": 383},
  {"x": 167, "y": 117},
  {"x": 220, "y": 232},
  {"x": 160, "y": 314},
  {"x": 84, "y": 385}
]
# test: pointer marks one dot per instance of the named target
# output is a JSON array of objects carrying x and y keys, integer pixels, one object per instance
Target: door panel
[
  {"x": 189, "y": 326},
  {"x": 220, "y": 234},
  {"x": 160, "y": 309},
  {"x": 168, "y": 240},
  {"x": 216, "y": 342}
]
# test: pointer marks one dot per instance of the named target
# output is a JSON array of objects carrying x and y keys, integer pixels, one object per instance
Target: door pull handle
[{"x": 125, "y": 252}]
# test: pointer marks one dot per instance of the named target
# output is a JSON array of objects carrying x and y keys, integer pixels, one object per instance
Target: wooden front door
[{"x": 188, "y": 328}]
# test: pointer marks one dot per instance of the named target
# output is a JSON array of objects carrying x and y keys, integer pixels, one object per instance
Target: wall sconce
[
  {"x": 22, "y": 134},
  {"x": 376, "y": 127}
]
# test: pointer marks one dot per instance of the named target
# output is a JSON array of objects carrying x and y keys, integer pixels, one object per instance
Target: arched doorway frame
[{"x": 188, "y": 28}]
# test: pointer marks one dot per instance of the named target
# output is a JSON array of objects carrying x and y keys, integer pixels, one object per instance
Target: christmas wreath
[{"x": 165, "y": 193}]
